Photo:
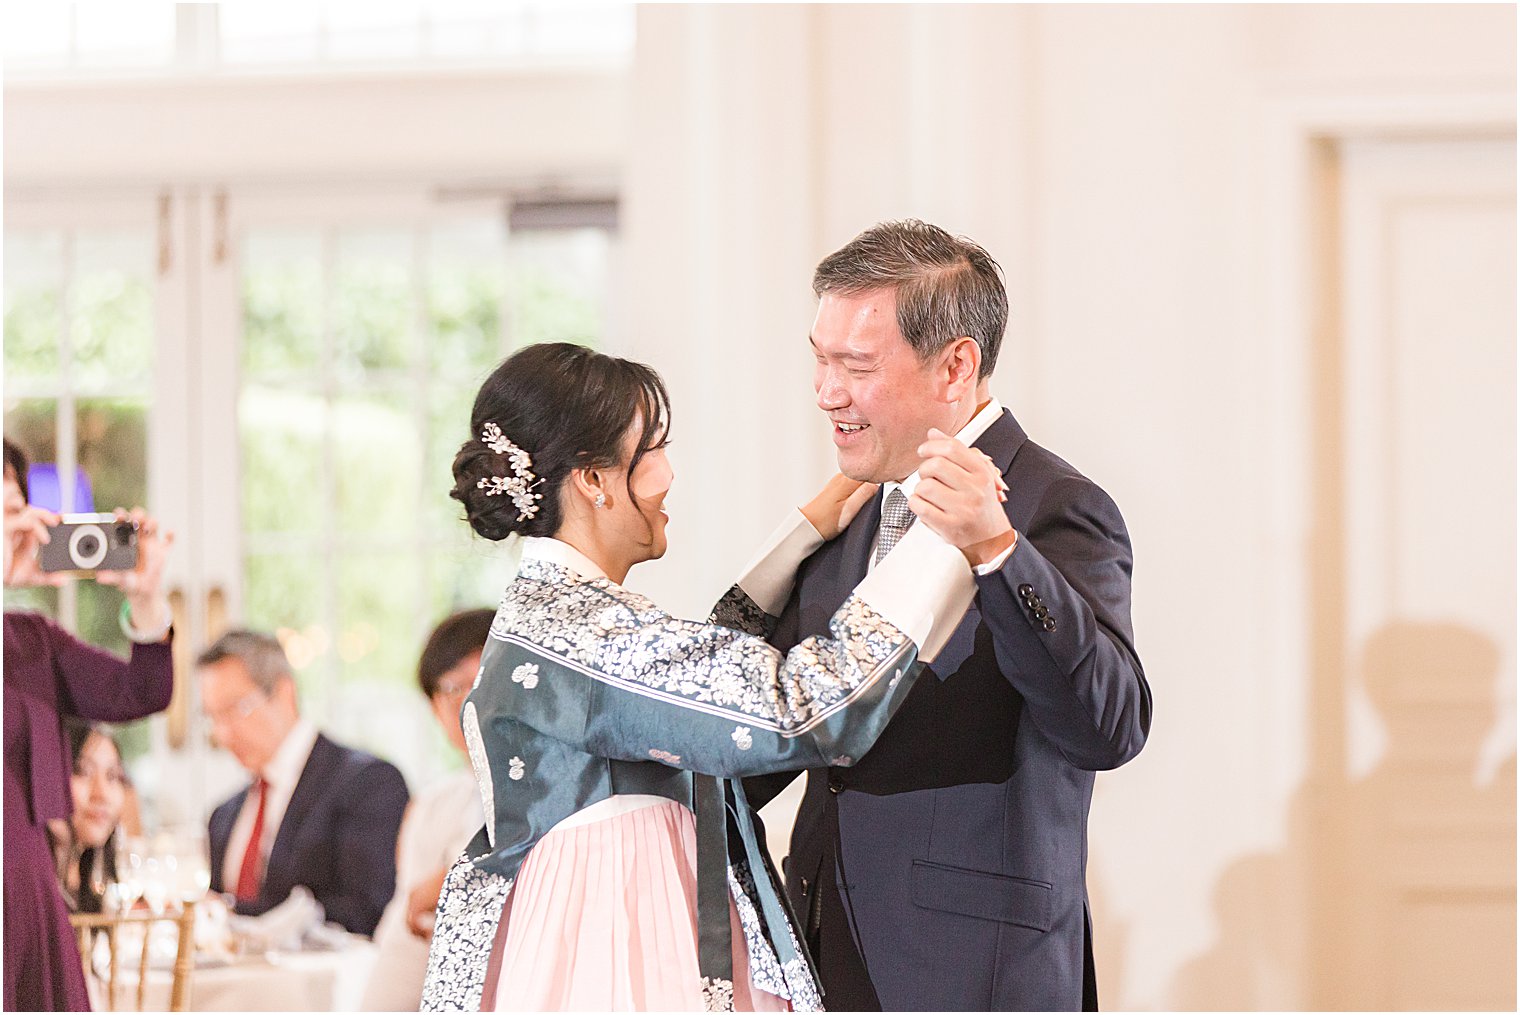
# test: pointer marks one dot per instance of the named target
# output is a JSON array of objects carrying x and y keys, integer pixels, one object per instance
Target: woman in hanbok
[{"x": 618, "y": 868}]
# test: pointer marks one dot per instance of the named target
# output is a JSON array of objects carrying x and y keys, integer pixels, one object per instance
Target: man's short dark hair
[
  {"x": 451, "y": 641},
  {"x": 261, "y": 655},
  {"x": 947, "y": 287}
]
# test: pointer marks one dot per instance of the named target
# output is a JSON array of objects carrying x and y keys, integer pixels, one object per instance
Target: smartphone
[{"x": 90, "y": 543}]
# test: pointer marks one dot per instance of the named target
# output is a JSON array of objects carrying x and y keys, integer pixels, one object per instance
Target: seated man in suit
[{"x": 316, "y": 814}]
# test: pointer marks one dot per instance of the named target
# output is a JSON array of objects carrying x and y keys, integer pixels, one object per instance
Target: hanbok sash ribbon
[{"x": 715, "y": 954}]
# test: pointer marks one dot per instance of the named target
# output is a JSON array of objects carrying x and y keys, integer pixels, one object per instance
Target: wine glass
[
  {"x": 155, "y": 885},
  {"x": 192, "y": 864},
  {"x": 129, "y": 874},
  {"x": 110, "y": 899}
]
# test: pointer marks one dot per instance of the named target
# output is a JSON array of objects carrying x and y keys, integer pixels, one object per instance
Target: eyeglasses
[
  {"x": 240, "y": 709},
  {"x": 453, "y": 688}
]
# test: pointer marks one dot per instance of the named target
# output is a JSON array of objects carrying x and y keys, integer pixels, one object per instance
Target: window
[
  {"x": 363, "y": 346},
  {"x": 354, "y": 342},
  {"x": 79, "y": 355}
]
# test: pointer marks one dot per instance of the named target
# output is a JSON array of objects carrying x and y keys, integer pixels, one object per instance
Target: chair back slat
[{"x": 86, "y": 924}]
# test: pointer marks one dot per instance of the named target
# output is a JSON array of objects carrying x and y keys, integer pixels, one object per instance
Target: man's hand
[
  {"x": 837, "y": 504},
  {"x": 422, "y": 903},
  {"x": 960, "y": 496}
]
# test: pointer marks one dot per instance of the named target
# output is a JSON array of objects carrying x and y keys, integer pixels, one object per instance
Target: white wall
[
  {"x": 518, "y": 127},
  {"x": 1119, "y": 162}
]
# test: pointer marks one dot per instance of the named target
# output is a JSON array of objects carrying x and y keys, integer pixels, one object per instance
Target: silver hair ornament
[{"x": 519, "y": 486}]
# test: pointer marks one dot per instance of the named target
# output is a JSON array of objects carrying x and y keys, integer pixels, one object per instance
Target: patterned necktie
[
  {"x": 895, "y": 520},
  {"x": 248, "y": 877}
]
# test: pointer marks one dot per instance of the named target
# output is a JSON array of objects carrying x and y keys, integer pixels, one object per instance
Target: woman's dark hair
[
  {"x": 453, "y": 640},
  {"x": 15, "y": 460},
  {"x": 78, "y": 733},
  {"x": 567, "y": 407}
]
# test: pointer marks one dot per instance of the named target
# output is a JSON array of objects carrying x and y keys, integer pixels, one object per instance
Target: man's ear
[
  {"x": 961, "y": 365},
  {"x": 285, "y": 693}
]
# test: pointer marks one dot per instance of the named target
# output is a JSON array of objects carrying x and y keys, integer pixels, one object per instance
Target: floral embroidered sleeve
[
  {"x": 714, "y": 700},
  {"x": 607, "y": 672},
  {"x": 752, "y": 604},
  {"x": 738, "y": 612}
]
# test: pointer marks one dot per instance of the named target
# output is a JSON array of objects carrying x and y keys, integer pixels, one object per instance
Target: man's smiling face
[{"x": 880, "y": 396}]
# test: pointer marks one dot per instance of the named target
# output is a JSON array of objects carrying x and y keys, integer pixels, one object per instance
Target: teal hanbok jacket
[{"x": 587, "y": 690}]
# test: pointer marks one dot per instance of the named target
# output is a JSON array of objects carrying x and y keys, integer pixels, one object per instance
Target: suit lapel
[
  {"x": 308, "y": 789},
  {"x": 222, "y": 820},
  {"x": 855, "y": 548},
  {"x": 1001, "y": 441}
]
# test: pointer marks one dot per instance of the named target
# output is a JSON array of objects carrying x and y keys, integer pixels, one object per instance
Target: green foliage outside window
[{"x": 353, "y": 548}]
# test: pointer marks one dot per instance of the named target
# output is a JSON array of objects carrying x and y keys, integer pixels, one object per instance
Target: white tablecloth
[{"x": 286, "y": 981}]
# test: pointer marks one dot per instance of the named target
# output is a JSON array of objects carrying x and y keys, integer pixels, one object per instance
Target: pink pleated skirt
[{"x": 603, "y": 917}]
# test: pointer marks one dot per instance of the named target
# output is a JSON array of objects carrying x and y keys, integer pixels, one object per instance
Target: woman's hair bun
[{"x": 493, "y": 516}]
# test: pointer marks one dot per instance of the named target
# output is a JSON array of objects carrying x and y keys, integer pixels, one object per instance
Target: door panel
[{"x": 1423, "y": 830}]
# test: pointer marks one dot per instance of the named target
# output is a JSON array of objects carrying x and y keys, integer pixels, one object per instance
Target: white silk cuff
[
  {"x": 769, "y": 577},
  {"x": 923, "y": 586}
]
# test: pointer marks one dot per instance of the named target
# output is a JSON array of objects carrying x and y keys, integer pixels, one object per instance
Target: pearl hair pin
[{"x": 519, "y": 486}]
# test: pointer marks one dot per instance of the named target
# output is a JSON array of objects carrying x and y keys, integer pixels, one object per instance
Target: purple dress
[{"x": 48, "y": 674}]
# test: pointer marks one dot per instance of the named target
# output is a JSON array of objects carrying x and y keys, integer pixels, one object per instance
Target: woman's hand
[
  {"x": 142, "y": 584},
  {"x": 837, "y": 504},
  {"x": 26, "y": 530},
  {"x": 422, "y": 903}
]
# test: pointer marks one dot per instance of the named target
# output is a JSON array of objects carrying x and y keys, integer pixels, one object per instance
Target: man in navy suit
[
  {"x": 316, "y": 814},
  {"x": 947, "y": 869}
]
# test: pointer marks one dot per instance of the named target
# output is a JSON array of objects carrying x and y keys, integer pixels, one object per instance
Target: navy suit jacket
[
  {"x": 962, "y": 835},
  {"x": 338, "y": 838}
]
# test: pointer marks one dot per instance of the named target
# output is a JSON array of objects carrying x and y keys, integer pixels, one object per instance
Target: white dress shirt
[
  {"x": 439, "y": 824},
  {"x": 280, "y": 776}
]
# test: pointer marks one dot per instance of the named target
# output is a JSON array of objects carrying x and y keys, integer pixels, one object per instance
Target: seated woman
[
  {"x": 439, "y": 821},
  {"x": 608, "y": 737},
  {"x": 84, "y": 844}
]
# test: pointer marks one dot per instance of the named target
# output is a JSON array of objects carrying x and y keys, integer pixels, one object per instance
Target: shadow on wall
[{"x": 1396, "y": 891}]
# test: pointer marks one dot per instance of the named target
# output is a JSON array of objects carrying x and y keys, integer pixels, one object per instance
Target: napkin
[{"x": 283, "y": 928}]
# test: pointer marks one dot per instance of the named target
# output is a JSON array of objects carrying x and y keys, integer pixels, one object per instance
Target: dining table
[{"x": 327, "y": 980}]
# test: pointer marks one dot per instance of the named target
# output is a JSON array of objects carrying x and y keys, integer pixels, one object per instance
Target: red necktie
[{"x": 248, "y": 877}]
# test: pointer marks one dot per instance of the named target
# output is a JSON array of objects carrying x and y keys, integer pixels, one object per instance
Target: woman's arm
[
  {"x": 95, "y": 684},
  {"x": 757, "y": 597},
  {"x": 639, "y": 685}
]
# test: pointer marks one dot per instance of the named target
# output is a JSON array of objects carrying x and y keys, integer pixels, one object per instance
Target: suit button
[
  {"x": 1040, "y": 613},
  {"x": 835, "y": 783},
  {"x": 804, "y": 887},
  {"x": 1050, "y": 624},
  {"x": 1026, "y": 590}
]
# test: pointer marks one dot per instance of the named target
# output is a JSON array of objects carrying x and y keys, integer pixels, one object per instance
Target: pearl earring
[{"x": 601, "y": 500}]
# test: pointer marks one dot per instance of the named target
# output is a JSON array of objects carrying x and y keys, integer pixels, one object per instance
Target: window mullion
[
  {"x": 421, "y": 366},
  {"x": 329, "y": 476},
  {"x": 66, "y": 445}
]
